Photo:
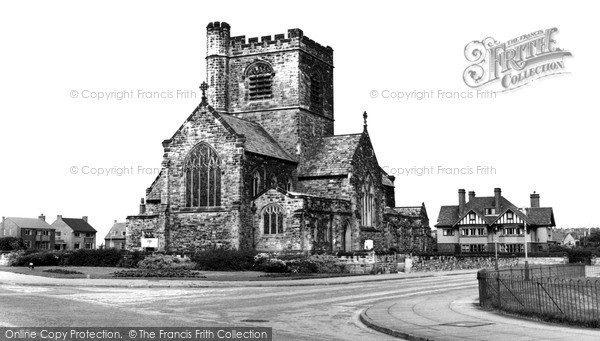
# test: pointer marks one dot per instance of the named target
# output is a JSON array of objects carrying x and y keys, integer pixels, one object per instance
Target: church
[{"x": 257, "y": 164}]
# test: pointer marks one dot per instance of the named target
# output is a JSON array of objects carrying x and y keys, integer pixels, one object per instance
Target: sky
[{"x": 57, "y": 135}]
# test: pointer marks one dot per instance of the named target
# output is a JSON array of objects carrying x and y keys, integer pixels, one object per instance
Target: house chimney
[
  {"x": 461, "y": 202},
  {"x": 142, "y": 207},
  {"x": 535, "y": 200},
  {"x": 471, "y": 195},
  {"x": 42, "y": 217},
  {"x": 497, "y": 195},
  {"x": 115, "y": 221},
  {"x": 59, "y": 217},
  {"x": 84, "y": 218}
]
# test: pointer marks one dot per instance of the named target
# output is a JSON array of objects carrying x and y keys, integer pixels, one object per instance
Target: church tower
[{"x": 284, "y": 83}]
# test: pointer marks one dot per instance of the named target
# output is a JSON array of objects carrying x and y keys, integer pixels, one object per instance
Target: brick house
[
  {"x": 37, "y": 234},
  {"x": 257, "y": 164},
  {"x": 115, "y": 238},
  {"x": 74, "y": 233},
  {"x": 480, "y": 223}
]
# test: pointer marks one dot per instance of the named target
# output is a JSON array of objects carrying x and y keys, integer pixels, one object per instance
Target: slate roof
[
  {"x": 79, "y": 225},
  {"x": 409, "y": 211},
  {"x": 330, "y": 155},
  {"x": 119, "y": 228},
  {"x": 541, "y": 216},
  {"x": 257, "y": 139},
  {"x": 30, "y": 223}
]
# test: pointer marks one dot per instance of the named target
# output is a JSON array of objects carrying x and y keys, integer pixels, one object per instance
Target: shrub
[
  {"x": 64, "y": 272},
  {"x": 38, "y": 259},
  {"x": 294, "y": 263},
  {"x": 105, "y": 257},
  {"x": 12, "y": 244},
  {"x": 131, "y": 259},
  {"x": 158, "y": 261},
  {"x": 177, "y": 273},
  {"x": 224, "y": 260}
]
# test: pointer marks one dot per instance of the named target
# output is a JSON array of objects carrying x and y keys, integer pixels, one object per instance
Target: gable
[
  {"x": 466, "y": 219},
  {"x": 504, "y": 218}
]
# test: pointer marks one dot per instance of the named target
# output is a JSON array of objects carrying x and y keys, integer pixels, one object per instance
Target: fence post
[{"x": 498, "y": 291}]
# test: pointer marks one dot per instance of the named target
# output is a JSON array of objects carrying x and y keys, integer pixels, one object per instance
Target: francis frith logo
[{"x": 514, "y": 63}]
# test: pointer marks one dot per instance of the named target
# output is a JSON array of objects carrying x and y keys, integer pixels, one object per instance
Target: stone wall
[{"x": 449, "y": 263}]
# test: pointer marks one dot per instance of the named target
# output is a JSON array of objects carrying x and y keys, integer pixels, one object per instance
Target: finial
[
  {"x": 365, "y": 118},
  {"x": 203, "y": 87}
]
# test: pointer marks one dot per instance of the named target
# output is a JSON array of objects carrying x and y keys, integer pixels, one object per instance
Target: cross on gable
[{"x": 203, "y": 87}]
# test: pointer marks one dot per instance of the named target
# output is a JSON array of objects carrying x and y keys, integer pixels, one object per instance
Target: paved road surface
[{"x": 323, "y": 312}]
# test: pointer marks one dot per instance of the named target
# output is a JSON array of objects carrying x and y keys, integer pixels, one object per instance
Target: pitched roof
[
  {"x": 118, "y": 228},
  {"x": 448, "y": 216},
  {"x": 330, "y": 155},
  {"x": 31, "y": 223},
  {"x": 409, "y": 211},
  {"x": 541, "y": 216},
  {"x": 535, "y": 216},
  {"x": 78, "y": 225},
  {"x": 257, "y": 139}
]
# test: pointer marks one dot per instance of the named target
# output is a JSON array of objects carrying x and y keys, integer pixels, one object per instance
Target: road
[{"x": 322, "y": 312}]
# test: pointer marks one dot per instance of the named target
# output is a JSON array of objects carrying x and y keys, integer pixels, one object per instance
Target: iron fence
[{"x": 552, "y": 292}]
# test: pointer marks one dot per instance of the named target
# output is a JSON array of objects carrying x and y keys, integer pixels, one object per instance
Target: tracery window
[
  {"x": 272, "y": 219},
  {"x": 260, "y": 81},
  {"x": 368, "y": 202},
  {"x": 202, "y": 177}
]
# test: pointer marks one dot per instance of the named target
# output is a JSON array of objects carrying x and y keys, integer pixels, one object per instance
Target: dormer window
[
  {"x": 472, "y": 216},
  {"x": 260, "y": 81},
  {"x": 490, "y": 211}
]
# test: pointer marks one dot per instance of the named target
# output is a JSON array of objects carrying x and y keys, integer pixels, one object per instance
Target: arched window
[
  {"x": 202, "y": 177},
  {"x": 255, "y": 183},
  {"x": 273, "y": 181},
  {"x": 272, "y": 219},
  {"x": 289, "y": 185},
  {"x": 368, "y": 202},
  {"x": 260, "y": 81}
]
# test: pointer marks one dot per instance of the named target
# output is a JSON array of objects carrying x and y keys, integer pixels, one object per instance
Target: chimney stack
[
  {"x": 142, "y": 207},
  {"x": 461, "y": 202},
  {"x": 471, "y": 195},
  {"x": 59, "y": 217},
  {"x": 42, "y": 217},
  {"x": 84, "y": 218},
  {"x": 497, "y": 195},
  {"x": 535, "y": 200}
]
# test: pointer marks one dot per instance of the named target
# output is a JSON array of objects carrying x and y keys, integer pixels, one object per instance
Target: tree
[{"x": 11, "y": 244}]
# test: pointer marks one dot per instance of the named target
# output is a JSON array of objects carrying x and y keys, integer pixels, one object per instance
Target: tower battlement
[{"x": 239, "y": 45}]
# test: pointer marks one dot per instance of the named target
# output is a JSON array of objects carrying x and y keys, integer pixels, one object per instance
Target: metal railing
[{"x": 559, "y": 293}]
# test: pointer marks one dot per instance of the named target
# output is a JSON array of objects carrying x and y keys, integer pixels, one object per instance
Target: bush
[
  {"x": 224, "y": 260},
  {"x": 105, "y": 257},
  {"x": 12, "y": 244},
  {"x": 178, "y": 273},
  {"x": 294, "y": 263},
  {"x": 131, "y": 259},
  {"x": 158, "y": 262},
  {"x": 64, "y": 272},
  {"x": 38, "y": 259}
]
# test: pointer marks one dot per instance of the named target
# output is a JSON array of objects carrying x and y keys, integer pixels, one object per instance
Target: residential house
[
  {"x": 37, "y": 234},
  {"x": 115, "y": 238},
  {"x": 74, "y": 233},
  {"x": 485, "y": 223}
]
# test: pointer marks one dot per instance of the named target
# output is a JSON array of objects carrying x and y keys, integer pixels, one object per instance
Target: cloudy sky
[{"x": 540, "y": 137}]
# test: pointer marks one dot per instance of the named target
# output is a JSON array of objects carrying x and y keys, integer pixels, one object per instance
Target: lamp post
[
  {"x": 495, "y": 238},
  {"x": 525, "y": 233}
]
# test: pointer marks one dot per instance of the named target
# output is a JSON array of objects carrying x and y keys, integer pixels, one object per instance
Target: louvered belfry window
[
  {"x": 202, "y": 177},
  {"x": 260, "y": 81}
]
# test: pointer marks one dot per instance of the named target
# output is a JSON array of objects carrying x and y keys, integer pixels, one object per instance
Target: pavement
[
  {"x": 443, "y": 315},
  {"x": 456, "y": 315}
]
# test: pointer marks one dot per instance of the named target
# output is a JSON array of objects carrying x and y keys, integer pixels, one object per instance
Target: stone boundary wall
[{"x": 450, "y": 263}]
